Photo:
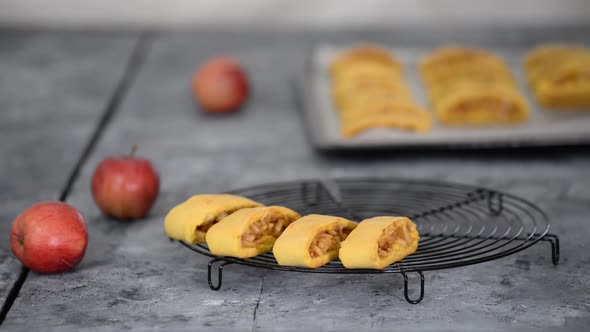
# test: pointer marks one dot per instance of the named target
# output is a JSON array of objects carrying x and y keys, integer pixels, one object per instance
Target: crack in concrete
[
  {"x": 134, "y": 64},
  {"x": 257, "y": 304}
]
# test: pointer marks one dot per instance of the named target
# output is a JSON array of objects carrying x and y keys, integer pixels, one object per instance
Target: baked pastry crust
[
  {"x": 190, "y": 220},
  {"x": 368, "y": 91},
  {"x": 559, "y": 75},
  {"x": 385, "y": 114},
  {"x": 473, "y": 104},
  {"x": 471, "y": 86},
  {"x": 456, "y": 55},
  {"x": 312, "y": 241},
  {"x": 250, "y": 231},
  {"x": 364, "y": 53},
  {"x": 378, "y": 242}
]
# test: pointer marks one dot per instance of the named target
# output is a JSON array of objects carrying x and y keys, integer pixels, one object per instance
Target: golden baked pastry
[
  {"x": 250, "y": 231},
  {"x": 364, "y": 54},
  {"x": 368, "y": 91},
  {"x": 559, "y": 75},
  {"x": 356, "y": 94},
  {"x": 190, "y": 220},
  {"x": 312, "y": 241},
  {"x": 475, "y": 71},
  {"x": 344, "y": 92},
  {"x": 379, "y": 242},
  {"x": 481, "y": 104},
  {"x": 454, "y": 56},
  {"x": 383, "y": 113},
  {"x": 470, "y": 86},
  {"x": 365, "y": 70}
]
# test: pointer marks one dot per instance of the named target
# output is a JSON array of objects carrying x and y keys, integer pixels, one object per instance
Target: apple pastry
[
  {"x": 369, "y": 91},
  {"x": 379, "y": 242},
  {"x": 312, "y": 241},
  {"x": 354, "y": 95},
  {"x": 449, "y": 58},
  {"x": 559, "y": 75},
  {"x": 364, "y": 54},
  {"x": 481, "y": 104},
  {"x": 249, "y": 232},
  {"x": 190, "y": 220},
  {"x": 385, "y": 113},
  {"x": 470, "y": 86}
]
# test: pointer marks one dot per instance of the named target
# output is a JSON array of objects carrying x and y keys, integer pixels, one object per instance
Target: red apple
[
  {"x": 220, "y": 85},
  {"x": 125, "y": 187},
  {"x": 49, "y": 237}
]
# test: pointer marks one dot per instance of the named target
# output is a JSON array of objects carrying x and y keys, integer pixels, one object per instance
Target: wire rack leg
[
  {"x": 495, "y": 203},
  {"x": 554, "y": 240},
  {"x": 406, "y": 293},
  {"x": 219, "y": 273}
]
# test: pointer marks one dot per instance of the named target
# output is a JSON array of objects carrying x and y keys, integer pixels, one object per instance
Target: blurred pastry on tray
[
  {"x": 368, "y": 91},
  {"x": 385, "y": 113},
  {"x": 351, "y": 94},
  {"x": 372, "y": 54},
  {"x": 559, "y": 75},
  {"x": 471, "y": 86},
  {"x": 249, "y": 232},
  {"x": 312, "y": 241},
  {"x": 190, "y": 220}
]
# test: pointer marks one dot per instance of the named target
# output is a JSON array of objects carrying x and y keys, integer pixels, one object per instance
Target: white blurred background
[{"x": 329, "y": 13}]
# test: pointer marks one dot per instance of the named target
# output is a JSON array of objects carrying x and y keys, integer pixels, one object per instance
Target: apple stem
[{"x": 133, "y": 150}]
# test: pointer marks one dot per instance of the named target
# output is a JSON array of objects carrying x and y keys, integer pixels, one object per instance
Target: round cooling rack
[{"x": 459, "y": 225}]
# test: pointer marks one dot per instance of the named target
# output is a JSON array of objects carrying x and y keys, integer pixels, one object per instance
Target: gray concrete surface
[
  {"x": 133, "y": 277},
  {"x": 53, "y": 89}
]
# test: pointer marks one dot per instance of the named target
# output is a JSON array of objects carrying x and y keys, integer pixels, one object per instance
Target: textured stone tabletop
[{"x": 55, "y": 89}]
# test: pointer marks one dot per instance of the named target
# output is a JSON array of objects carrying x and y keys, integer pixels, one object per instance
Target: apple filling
[
  {"x": 328, "y": 241},
  {"x": 572, "y": 79},
  {"x": 202, "y": 229},
  {"x": 268, "y": 227},
  {"x": 392, "y": 235},
  {"x": 488, "y": 105}
]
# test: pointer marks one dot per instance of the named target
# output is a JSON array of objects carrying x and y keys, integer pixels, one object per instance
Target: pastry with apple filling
[
  {"x": 312, "y": 241},
  {"x": 470, "y": 86},
  {"x": 249, "y": 232},
  {"x": 190, "y": 220},
  {"x": 559, "y": 75},
  {"x": 369, "y": 91},
  {"x": 378, "y": 242}
]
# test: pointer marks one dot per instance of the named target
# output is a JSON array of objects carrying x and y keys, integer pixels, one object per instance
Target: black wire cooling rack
[{"x": 459, "y": 225}]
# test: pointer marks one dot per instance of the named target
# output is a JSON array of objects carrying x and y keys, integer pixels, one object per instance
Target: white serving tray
[{"x": 544, "y": 127}]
